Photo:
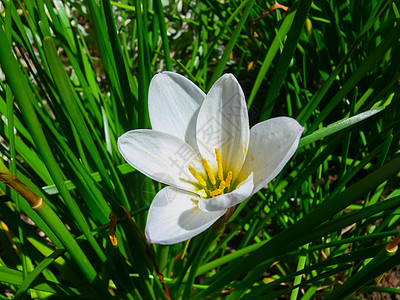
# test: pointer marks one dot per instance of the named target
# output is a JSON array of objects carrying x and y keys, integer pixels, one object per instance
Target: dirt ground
[{"x": 390, "y": 279}]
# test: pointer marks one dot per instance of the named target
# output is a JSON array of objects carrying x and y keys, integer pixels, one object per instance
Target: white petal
[
  {"x": 174, "y": 217},
  {"x": 174, "y": 102},
  {"x": 160, "y": 156},
  {"x": 225, "y": 201},
  {"x": 223, "y": 123},
  {"x": 272, "y": 144}
]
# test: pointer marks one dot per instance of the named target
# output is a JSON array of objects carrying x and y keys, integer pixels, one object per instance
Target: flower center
[{"x": 213, "y": 185}]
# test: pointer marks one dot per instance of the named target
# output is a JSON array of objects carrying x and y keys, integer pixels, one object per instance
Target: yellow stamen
[
  {"x": 216, "y": 193},
  {"x": 228, "y": 180},
  {"x": 217, "y": 181},
  {"x": 198, "y": 177},
  {"x": 222, "y": 185},
  {"x": 209, "y": 171},
  {"x": 219, "y": 163}
]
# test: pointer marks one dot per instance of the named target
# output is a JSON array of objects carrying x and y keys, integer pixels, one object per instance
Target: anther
[
  {"x": 216, "y": 193},
  {"x": 222, "y": 185},
  {"x": 228, "y": 180},
  {"x": 219, "y": 163},
  {"x": 209, "y": 171},
  {"x": 198, "y": 177}
]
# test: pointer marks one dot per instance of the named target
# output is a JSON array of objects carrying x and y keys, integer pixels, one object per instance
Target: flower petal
[
  {"x": 174, "y": 217},
  {"x": 225, "y": 201},
  {"x": 160, "y": 156},
  {"x": 223, "y": 123},
  {"x": 272, "y": 144},
  {"x": 173, "y": 105}
]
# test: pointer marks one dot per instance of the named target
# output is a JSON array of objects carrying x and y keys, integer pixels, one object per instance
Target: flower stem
[
  {"x": 211, "y": 236},
  {"x": 13, "y": 182}
]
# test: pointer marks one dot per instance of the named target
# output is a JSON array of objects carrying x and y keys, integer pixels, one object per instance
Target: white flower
[{"x": 202, "y": 148}]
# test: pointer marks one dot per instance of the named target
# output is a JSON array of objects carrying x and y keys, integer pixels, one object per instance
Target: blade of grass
[
  {"x": 287, "y": 55},
  {"x": 323, "y": 212},
  {"x": 272, "y": 51},
  {"x": 335, "y": 127},
  {"x": 231, "y": 44},
  {"x": 372, "y": 59},
  {"x": 18, "y": 85},
  {"x": 158, "y": 9},
  {"x": 121, "y": 65}
]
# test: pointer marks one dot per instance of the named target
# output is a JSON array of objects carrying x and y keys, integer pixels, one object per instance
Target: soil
[{"x": 390, "y": 279}]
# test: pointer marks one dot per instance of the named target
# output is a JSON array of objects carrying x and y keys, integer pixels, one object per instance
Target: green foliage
[{"x": 75, "y": 76}]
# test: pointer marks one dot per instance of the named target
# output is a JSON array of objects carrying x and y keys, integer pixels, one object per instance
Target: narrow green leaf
[
  {"x": 286, "y": 57},
  {"x": 231, "y": 44},
  {"x": 335, "y": 127}
]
